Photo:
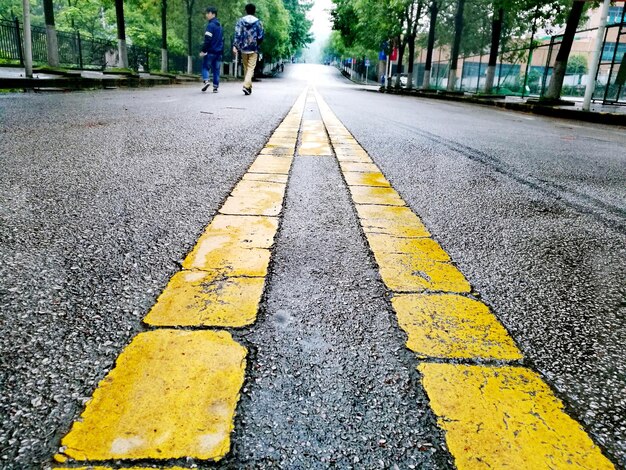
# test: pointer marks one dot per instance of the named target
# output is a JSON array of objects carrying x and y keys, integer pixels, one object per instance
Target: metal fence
[{"x": 82, "y": 52}]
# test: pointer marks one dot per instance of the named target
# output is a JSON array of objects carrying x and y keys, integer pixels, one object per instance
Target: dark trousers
[{"x": 211, "y": 63}]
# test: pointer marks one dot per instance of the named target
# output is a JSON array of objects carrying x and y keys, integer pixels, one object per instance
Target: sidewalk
[{"x": 600, "y": 114}]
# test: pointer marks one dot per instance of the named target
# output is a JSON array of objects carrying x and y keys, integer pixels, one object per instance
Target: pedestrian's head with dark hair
[
  {"x": 211, "y": 10},
  {"x": 250, "y": 8}
]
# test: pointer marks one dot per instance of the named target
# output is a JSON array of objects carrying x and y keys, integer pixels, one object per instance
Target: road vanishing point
[{"x": 317, "y": 275}]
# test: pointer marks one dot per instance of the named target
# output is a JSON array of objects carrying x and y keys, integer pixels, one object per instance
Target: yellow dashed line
[
  {"x": 173, "y": 393},
  {"x": 493, "y": 417}
]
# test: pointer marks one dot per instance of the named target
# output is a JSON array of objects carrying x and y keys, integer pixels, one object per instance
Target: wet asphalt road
[{"x": 103, "y": 193}]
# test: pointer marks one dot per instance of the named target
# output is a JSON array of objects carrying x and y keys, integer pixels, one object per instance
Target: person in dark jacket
[
  {"x": 212, "y": 50},
  {"x": 248, "y": 37}
]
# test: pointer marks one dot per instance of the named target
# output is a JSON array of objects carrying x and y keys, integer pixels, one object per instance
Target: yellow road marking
[
  {"x": 494, "y": 417},
  {"x": 172, "y": 394},
  {"x": 405, "y": 272},
  {"x": 366, "y": 179},
  {"x": 198, "y": 298},
  {"x": 506, "y": 417},
  {"x": 395, "y": 221},
  {"x": 452, "y": 326},
  {"x": 373, "y": 195}
]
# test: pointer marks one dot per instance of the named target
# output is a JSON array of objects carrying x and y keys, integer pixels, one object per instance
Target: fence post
[
  {"x": 18, "y": 42},
  {"x": 80, "y": 50}
]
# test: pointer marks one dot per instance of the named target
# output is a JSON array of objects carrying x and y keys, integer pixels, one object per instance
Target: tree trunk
[
  {"x": 164, "y": 58},
  {"x": 456, "y": 45},
  {"x": 496, "y": 32},
  {"x": 121, "y": 34},
  {"x": 51, "y": 34},
  {"x": 560, "y": 65},
  {"x": 434, "y": 10},
  {"x": 411, "y": 45}
]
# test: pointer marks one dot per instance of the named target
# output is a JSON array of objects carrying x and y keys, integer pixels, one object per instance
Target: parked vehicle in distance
[{"x": 404, "y": 79}]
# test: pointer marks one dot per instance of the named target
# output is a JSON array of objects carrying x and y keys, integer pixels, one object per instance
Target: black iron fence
[{"x": 80, "y": 51}]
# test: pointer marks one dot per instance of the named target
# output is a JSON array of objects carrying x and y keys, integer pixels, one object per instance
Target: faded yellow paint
[
  {"x": 100, "y": 467},
  {"x": 315, "y": 149},
  {"x": 366, "y": 179},
  {"x": 271, "y": 164},
  {"x": 278, "y": 151},
  {"x": 407, "y": 273},
  {"x": 227, "y": 232},
  {"x": 255, "y": 198},
  {"x": 172, "y": 394},
  {"x": 358, "y": 167},
  {"x": 506, "y": 417},
  {"x": 269, "y": 177},
  {"x": 198, "y": 298},
  {"x": 449, "y": 326},
  {"x": 390, "y": 220},
  {"x": 372, "y": 195},
  {"x": 356, "y": 157},
  {"x": 425, "y": 248}
]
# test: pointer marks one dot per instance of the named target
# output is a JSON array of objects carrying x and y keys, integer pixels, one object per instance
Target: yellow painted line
[
  {"x": 506, "y": 417},
  {"x": 374, "y": 178},
  {"x": 378, "y": 196},
  {"x": 452, "y": 326},
  {"x": 172, "y": 394},
  {"x": 402, "y": 272},
  {"x": 493, "y": 417},
  {"x": 314, "y": 139},
  {"x": 272, "y": 164},
  {"x": 396, "y": 221},
  {"x": 425, "y": 248},
  {"x": 198, "y": 298},
  {"x": 358, "y": 167}
]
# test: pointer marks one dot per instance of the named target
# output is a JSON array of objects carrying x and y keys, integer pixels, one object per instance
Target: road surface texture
[{"x": 104, "y": 193}]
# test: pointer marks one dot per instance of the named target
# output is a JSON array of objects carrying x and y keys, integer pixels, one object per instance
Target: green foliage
[
  {"x": 577, "y": 65},
  {"x": 285, "y": 21}
]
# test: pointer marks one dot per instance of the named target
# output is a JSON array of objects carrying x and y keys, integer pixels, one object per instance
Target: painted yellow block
[
  {"x": 356, "y": 157},
  {"x": 283, "y": 151},
  {"x": 99, "y": 467},
  {"x": 366, "y": 179},
  {"x": 233, "y": 261},
  {"x": 358, "y": 167},
  {"x": 255, "y": 198},
  {"x": 407, "y": 273},
  {"x": 315, "y": 149},
  {"x": 425, "y": 248},
  {"x": 268, "y": 177},
  {"x": 172, "y": 394},
  {"x": 271, "y": 164},
  {"x": 372, "y": 195},
  {"x": 229, "y": 233},
  {"x": 395, "y": 221},
  {"x": 449, "y": 326},
  {"x": 198, "y": 298},
  {"x": 506, "y": 417}
]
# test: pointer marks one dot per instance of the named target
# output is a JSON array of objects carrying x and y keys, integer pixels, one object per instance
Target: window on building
[
  {"x": 615, "y": 15},
  {"x": 609, "y": 49}
]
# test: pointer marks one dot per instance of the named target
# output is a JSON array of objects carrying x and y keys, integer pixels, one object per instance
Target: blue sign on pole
[
  {"x": 367, "y": 62},
  {"x": 382, "y": 55}
]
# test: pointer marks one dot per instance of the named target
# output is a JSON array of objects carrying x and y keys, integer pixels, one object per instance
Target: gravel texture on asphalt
[
  {"x": 331, "y": 383},
  {"x": 533, "y": 210},
  {"x": 101, "y": 196}
]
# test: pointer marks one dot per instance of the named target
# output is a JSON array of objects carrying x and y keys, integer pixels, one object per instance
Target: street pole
[
  {"x": 595, "y": 60},
  {"x": 28, "y": 45}
]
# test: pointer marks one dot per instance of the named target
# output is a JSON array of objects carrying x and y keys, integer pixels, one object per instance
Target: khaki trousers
[{"x": 249, "y": 63}]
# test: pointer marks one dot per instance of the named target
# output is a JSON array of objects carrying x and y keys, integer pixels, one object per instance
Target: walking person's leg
[
  {"x": 216, "y": 65},
  {"x": 250, "y": 64},
  {"x": 205, "y": 72}
]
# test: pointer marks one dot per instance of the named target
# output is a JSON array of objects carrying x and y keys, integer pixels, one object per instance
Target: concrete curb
[
  {"x": 74, "y": 83},
  {"x": 613, "y": 119}
]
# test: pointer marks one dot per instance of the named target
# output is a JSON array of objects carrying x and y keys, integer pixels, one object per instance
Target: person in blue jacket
[{"x": 212, "y": 50}]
